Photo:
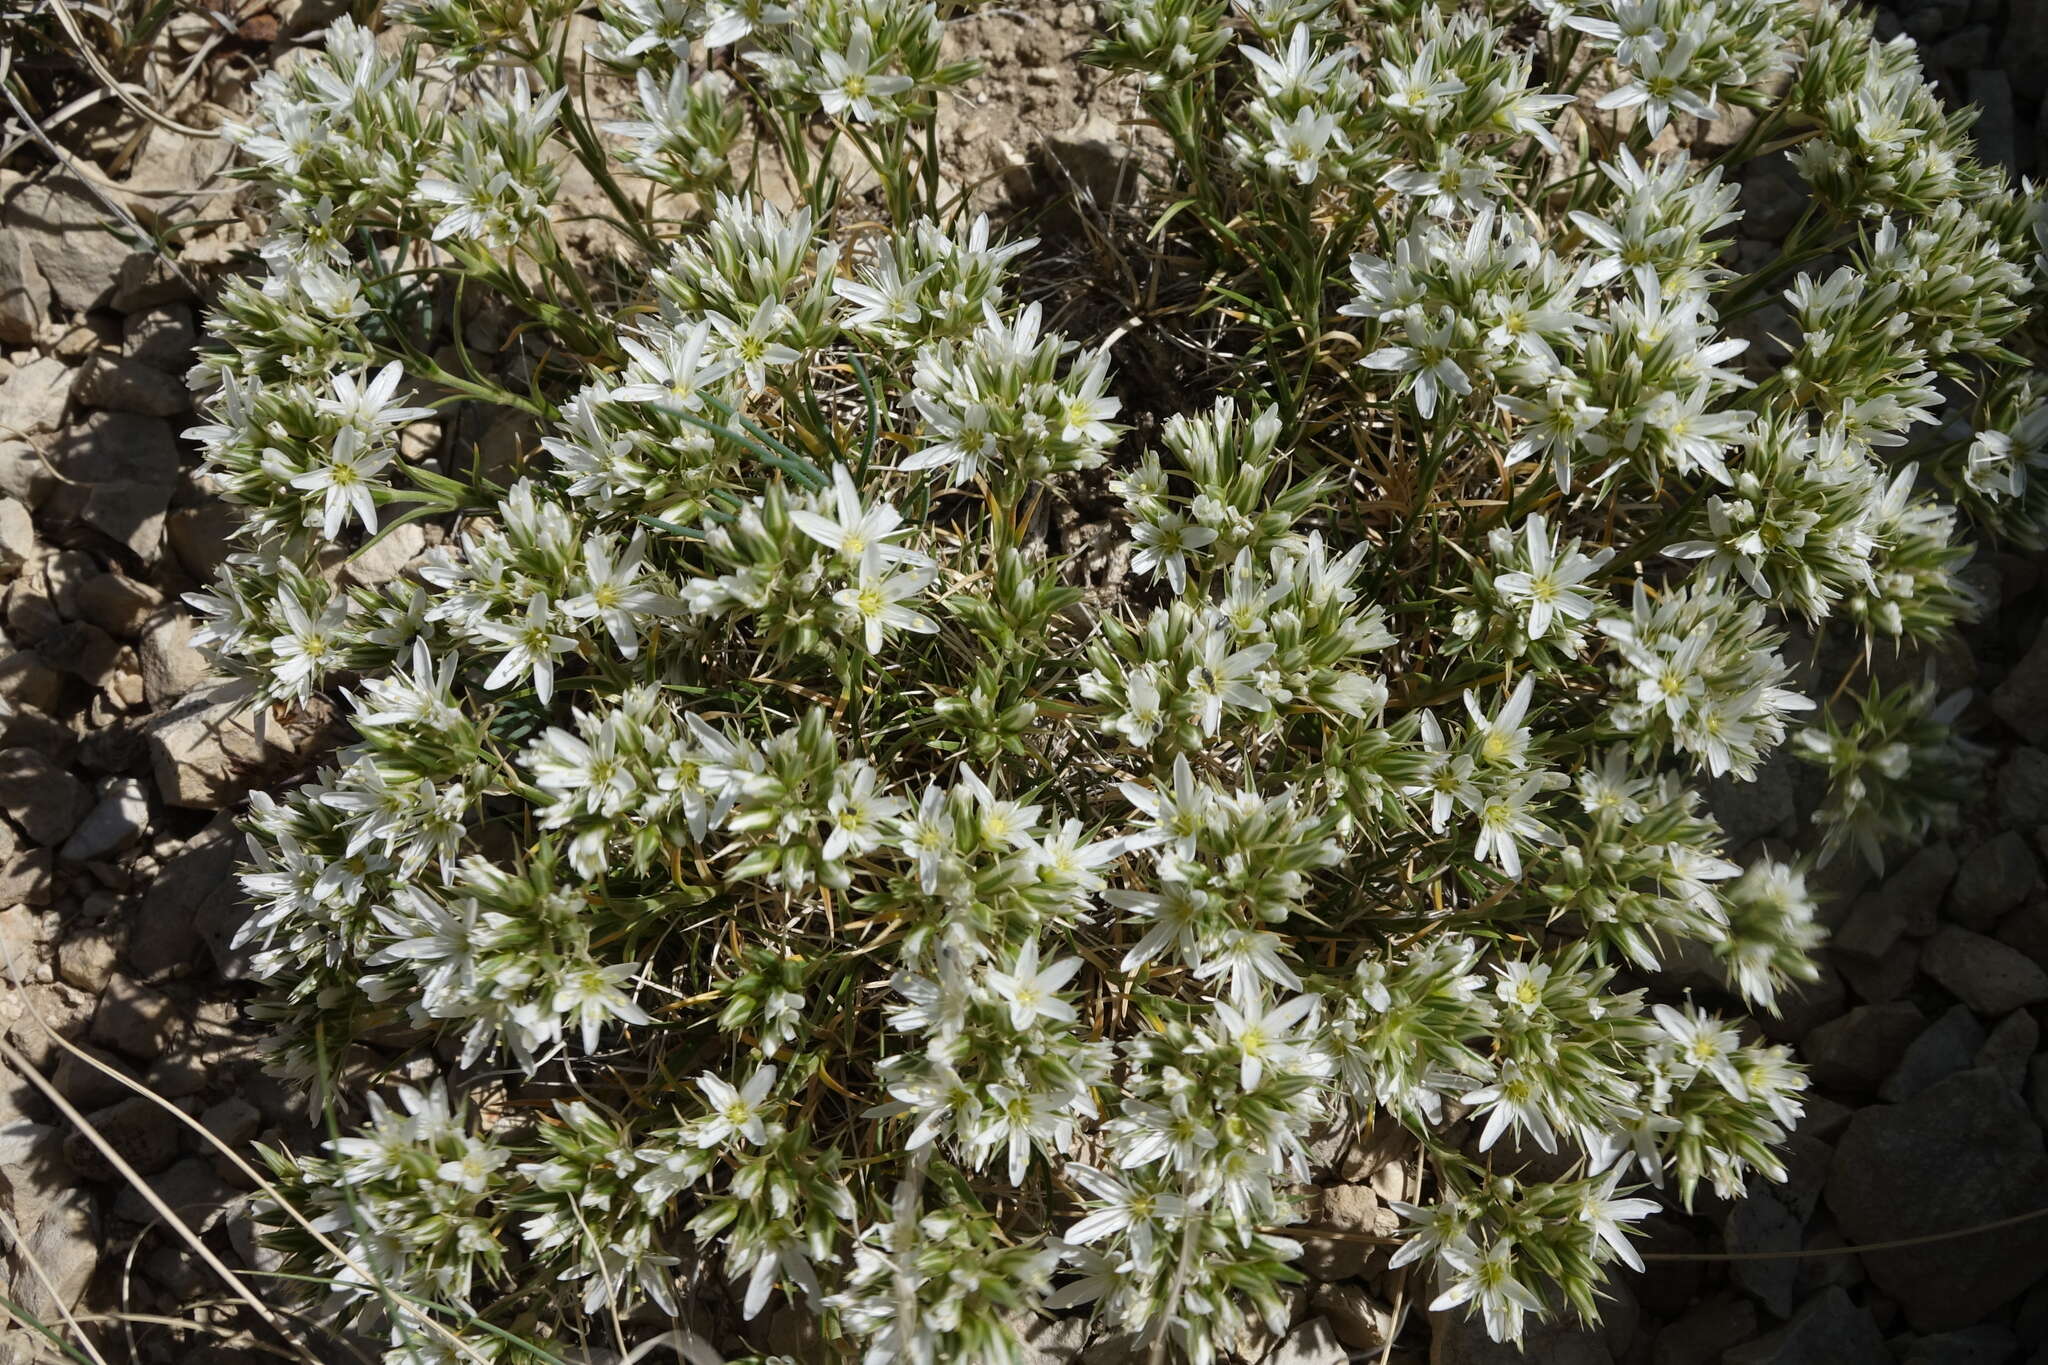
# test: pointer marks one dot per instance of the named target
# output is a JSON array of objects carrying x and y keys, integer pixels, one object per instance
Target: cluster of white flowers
[{"x": 844, "y": 895}]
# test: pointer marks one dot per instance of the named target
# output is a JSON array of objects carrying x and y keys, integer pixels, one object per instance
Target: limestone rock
[
  {"x": 117, "y": 821},
  {"x": 1313, "y": 1343},
  {"x": 60, "y": 1234},
  {"x": 33, "y": 398},
  {"x": 1827, "y": 1330},
  {"x": 208, "y": 747},
  {"x": 119, "y": 384},
  {"x": 171, "y": 665},
  {"x": 118, "y": 605}
]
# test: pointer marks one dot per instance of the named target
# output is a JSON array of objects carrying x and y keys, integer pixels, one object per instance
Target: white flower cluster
[{"x": 796, "y": 868}]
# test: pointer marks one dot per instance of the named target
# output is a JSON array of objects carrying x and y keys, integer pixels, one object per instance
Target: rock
[
  {"x": 24, "y": 727},
  {"x": 26, "y": 679},
  {"x": 119, "y": 384},
  {"x": 1965, "y": 49},
  {"x": 1856, "y": 1052},
  {"x": 116, "y": 822},
  {"x": 1982, "y": 972},
  {"x": 1903, "y": 902},
  {"x": 17, "y": 537},
  {"x": 234, "y": 1121},
  {"x": 2023, "y": 789},
  {"x": 2024, "y": 48},
  {"x": 75, "y": 245},
  {"x": 86, "y": 1085},
  {"x": 2037, "y": 1088},
  {"x": 2025, "y": 931},
  {"x": 1946, "y": 1046},
  {"x": 1997, "y": 129},
  {"x": 207, "y": 748},
  {"x": 386, "y": 558},
  {"x": 1961, "y": 1153},
  {"x": 117, "y": 471},
  {"x": 171, "y": 665},
  {"x": 190, "y": 1188},
  {"x": 48, "y": 1008},
  {"x": 1313, "y": 1343},
  {"x": 140, "y": 1133},
  {"x": 1773, "y": 198},
  {"x": 1985, "y": 1344},
  {"x": 118, "y": 605},
  {"x": 60, "y": 1234},
  {"x": 195, "y": 898},
  {"x": 2021, "y": 701},
  {"x": 86, "y": 959},
  {"x": 1706, "y": 1330},
  {"x": 202, "y": 536},
  {"x": 2010, "y": 1045},
  {"x": 27, "y": 874},
  {"x": 1996, "y": 876},
  {"x": 1759, "y": 1224},
  {"x": 82, "y": 650},
  {"x": 134, "y": 1019},
  {"x": 146, "y": 281},
  {"x": 24, "y": 293},
  {"x": 1751, "y": 810},
  {"x": 1344, "y": 1209},
  {"x": 1827, "y": 1330},
  {"x": 1805, "y": 1005},
  {"x": 162, "y": 338},
  {"x": 1360, "y": 1321},
  {"x": 24, "y": 476},
  {"x": 33, "y": 398},
  {"x": 43, "y": 800}
]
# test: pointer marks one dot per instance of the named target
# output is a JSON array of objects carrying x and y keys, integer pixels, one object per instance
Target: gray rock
[
  {"x": 1773, "y": 197},
  {"x": 45, "y": 802},
  {"x": 24, "y": 293},
  {"x": 1313, "y": 1343},
  {"x": 1982, "y": 972},
  {"x": 385, "y": 559},
  {"x": 202, "y": 535},
  {"x": 60, "y": 1233},
  {"x": 1958, "y": 1154},
  {"x": 74, "y": 240},
  {"x": 1751, "y": 810},
  {"x": 1760, "y": 1224},
  {"x": 1352, "y": 1209},
  {"x": 207, "y": 748},
  {"x": 190, "y": 1188},
  {"x": 2021, "y": 701},
  {"x": 1827, "y": 1330},
  {"x": 1706, "y": 1330},
  {"x": 1805, "y": 1005},
  {"x": 86, "y": 1085},
  {"x": 33, "y": 398},
  {"x": 1903, "y": 903},
  {"x": 119, "y": 384},
  {"x": 162, "y": 338},
  {"x": 2023, "y": 48},
  {"x": 116, "y": 822},
  {"x": 118, "y": 605},
  {"x": 140, "y": 1133},
  {"x": 26, "y": 679},
  {"x": 1360, "y": 1321},
  {"x": 87, "y": 958},
  {"x": 146, "y": 281},
  {"x": 194, "y": 900},
  {"x": 1856, "y": 1052},
  {"x": 171, "y": 665},
  {"x": 2025, "y": 931},
  {"x": 234, "y": 1121},
  {"x": 17, "y": 537},
  {"x": 2010, "y": 1045},
  {"x": 83, "y": 651},
  {"x": 28, "y": 875},
  {"x": 1944, "y": 1047},
  {"x": 2023, "y": 788},
  {"x": 134, "y": 1019},
  {"x": 118, "y": 470},
  {"x": 1995, "y": 876},
  {"x": 1985, "y": 1344},
  {"x": 23, "y": 474},
  {"x": 1968, "y": 47},
  {"x": 2037, "y": 1088}
]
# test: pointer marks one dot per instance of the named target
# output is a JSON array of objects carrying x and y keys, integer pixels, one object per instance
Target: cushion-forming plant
[{"x": 771, "y": 854}]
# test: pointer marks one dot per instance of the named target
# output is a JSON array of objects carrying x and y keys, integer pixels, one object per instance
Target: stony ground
[{"x": 122, "y": 763}]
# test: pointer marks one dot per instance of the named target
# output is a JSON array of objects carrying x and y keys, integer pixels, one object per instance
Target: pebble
[
  {"x": 134, "y": 1019},
  {"x": 42, "y": 799},
  {"x": 1946, "y": 1046},
  {"x": 1996, "y": 876},
  {"x": 1313, "y": 1343},
  {"x": 1857, "y": 1051},
  {"x": 1828, "y": 1329}
]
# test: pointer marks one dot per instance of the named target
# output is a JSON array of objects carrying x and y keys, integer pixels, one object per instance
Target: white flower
[
  {"x": 876, "y": 599},
  {"x": 1163, "y": 543},
  {"x": 1429, "y": 359},
  {"x": 1265, "y": 1038},
  {"x": 1122, "y": 1207},
  {"x": 590, "y": 995},
  {"x": 531, "y": 647},
  {"x": 309, "y": 649},
  {"x": 1547, "y": 587},
  {"x": 612, "y": 593},
  {"x": 857, "y": 815},
  {"x": 1489, "y": 1277},
  {"x": 1605, "y": 1214},
  {"x": 735, "y": 1112},
  {"x": 1032, "y": 993},
  {"x": 856, "y": 528},
  {"x": 346, "y": 478},
  {"x": 850, "y": 84},
  {"x": 1704, "y": 1043}
]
